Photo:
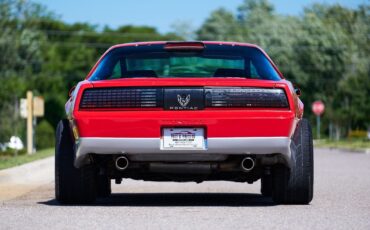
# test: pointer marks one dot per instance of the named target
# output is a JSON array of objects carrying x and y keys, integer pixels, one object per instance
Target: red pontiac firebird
[{"x": 184, "y": 111}]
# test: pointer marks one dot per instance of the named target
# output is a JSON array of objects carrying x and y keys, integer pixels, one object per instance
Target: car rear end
[
  {"x": 145, "y": 112},
  {"x": 184, "y": 111}
]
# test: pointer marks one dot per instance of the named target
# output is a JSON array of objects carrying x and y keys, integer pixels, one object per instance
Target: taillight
[
  {"x": 100, "y": 98},
  {"x": 246, "y": 98}
]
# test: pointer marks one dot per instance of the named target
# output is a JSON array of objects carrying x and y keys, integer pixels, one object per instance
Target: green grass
[
  {"x": 7, "y": 161},
  {"x": 354, "y": 144}
]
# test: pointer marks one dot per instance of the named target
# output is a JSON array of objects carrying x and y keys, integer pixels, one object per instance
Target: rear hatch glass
[{"x": 213, "y": 61}]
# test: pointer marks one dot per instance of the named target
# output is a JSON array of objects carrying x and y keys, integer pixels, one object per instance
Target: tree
[
  {"x": 20, "y": 46},
  {"x": 220, "y": 26},
  {"x": 184, "y": 29}
]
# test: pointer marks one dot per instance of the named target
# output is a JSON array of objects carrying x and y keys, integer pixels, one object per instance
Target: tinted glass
[{"x": 214, "y": 61}]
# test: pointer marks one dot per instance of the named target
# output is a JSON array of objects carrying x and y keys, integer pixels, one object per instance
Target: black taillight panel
[
  {"x": 102, "y": 98},
  {"x": 245, "y": 98}
]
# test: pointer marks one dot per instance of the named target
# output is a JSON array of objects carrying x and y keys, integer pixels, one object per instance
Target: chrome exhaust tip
[
  {"x": 121, "y": 163},
  {"x": 247, "y": 164}
]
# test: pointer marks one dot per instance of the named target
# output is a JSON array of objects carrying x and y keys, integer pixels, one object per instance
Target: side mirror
[
  {"x": 71, "y": 91},
  {"x": 297, "y": 91}
]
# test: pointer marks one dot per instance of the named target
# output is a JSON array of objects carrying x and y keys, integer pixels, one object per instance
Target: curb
[
  {"x": 36, "y": 172},
  {"x": 363, "y": 151},
  {"x": 20, "y": 180}
]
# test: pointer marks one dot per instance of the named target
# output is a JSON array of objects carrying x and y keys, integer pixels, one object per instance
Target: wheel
[
  {"x": 294, "y": 185},
  {"x": 72, "y": 185},
  {"x": 266, "y": 185},
  {"x": 103, "y": 187}
]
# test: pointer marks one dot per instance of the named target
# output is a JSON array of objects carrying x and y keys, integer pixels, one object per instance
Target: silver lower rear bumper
[{"x": 152, "y": 146}]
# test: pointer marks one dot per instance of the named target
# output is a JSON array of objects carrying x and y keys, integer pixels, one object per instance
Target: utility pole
[
  {"x": 29, "y": 122},
  {"x": 30, "y": 108},
  {"x": 318, "y": 125},
  {"x": 15, "y": 121}
]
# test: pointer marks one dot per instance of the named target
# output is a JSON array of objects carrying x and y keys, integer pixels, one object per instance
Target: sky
[{"x": 162, "y": 14}]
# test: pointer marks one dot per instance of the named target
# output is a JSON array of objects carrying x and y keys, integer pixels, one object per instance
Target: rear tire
[
  {"x": 103, "y": 186},
  {"x": 266, "y": 185},
  {"x": 295, "y": 185},
  {"x": 72, "y": 185}
]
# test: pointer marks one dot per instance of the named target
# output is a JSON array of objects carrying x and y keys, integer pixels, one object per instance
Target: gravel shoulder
[{"x": 22, "y": 179}]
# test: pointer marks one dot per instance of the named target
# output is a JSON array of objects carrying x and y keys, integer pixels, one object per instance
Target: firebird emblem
[{"x": 183, "y": 99}]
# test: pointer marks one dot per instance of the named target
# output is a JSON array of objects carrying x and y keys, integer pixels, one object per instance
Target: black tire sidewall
[
  {"x": 72, "y": 185},
  {"x": 294, "y": 185}
]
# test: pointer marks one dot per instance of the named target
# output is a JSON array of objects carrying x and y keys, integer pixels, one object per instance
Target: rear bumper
[
  {"x": 215, "y": 146},
  {"x": 217, "y": 123}
]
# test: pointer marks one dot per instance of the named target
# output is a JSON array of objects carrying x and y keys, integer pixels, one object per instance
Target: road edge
[{"x": 19, "y": 180}]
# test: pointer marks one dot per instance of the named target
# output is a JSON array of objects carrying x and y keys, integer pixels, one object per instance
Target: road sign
[
  {"x": 318, "y": 108},
  {"x": 23, "y": 108},
  {"x": 38, "y": 106},
  {"x": 30, "y": 108}
]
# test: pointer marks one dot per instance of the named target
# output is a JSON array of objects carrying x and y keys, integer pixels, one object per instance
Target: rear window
[{"x": 214, "y": 61}]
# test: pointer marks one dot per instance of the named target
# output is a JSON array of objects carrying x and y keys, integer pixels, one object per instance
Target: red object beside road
[{"x": 318, "y": 108}]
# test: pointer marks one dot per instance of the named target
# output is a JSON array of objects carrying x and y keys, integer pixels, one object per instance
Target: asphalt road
[{"x": 341, "y": 201}]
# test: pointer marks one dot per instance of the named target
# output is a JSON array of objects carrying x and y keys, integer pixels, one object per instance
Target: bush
[
  {"x": 357, "y": 134},
  {"x": 11, "y": 152},
  {"x": 44, "y": 135}
]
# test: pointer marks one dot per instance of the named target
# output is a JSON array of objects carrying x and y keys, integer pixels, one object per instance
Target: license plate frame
[{"x": 183, "y": 139}]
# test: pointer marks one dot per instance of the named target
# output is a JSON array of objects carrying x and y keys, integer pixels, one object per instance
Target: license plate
[{"x": 183, "y": 139}]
